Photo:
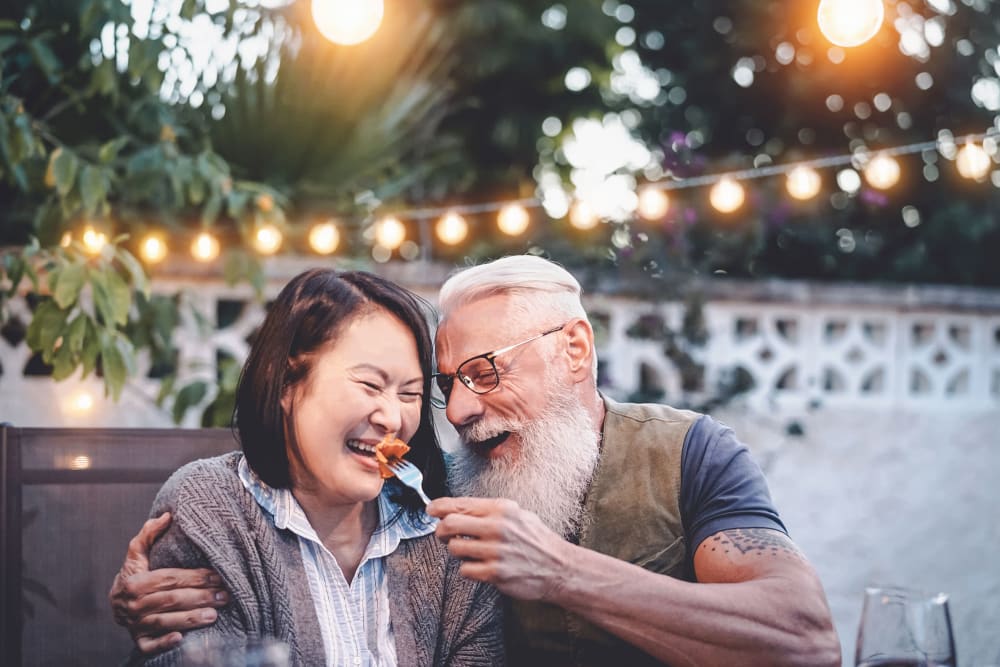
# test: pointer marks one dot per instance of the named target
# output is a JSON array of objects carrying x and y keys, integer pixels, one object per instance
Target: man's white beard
[{"x": 549, "y": 473}]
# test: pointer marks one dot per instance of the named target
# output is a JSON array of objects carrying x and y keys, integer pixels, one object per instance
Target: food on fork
[{"x": 388, "y": 450}]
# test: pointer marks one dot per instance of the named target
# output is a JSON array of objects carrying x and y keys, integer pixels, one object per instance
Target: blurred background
[{"x": 783, "y": 212}]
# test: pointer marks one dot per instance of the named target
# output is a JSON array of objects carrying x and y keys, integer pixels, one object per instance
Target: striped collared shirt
[{"x": 353, "y": 616}]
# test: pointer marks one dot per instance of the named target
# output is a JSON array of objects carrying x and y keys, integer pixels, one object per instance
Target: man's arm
[
  {"x": 157, "y": 605},
  {"x": 758, "y": 602}
]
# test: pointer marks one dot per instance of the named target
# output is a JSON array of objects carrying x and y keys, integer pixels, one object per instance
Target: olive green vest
[{"x": 633, "y": 514}]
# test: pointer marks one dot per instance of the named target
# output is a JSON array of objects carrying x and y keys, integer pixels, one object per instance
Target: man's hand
[
  {"x": 155, "y": 606},
  {"x": 503, "y": 545}
]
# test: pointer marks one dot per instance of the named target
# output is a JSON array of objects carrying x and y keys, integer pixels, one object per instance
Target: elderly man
[{"x": 621, "y": 534}]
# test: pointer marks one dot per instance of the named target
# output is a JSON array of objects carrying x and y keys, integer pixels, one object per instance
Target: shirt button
[{"x": 357, "y": 660}]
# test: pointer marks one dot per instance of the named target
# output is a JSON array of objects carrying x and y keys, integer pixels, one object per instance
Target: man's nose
[{"x": 464, "y": 405}]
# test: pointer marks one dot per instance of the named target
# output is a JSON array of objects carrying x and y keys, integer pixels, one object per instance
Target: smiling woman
[{"x": 314, "y": 547}]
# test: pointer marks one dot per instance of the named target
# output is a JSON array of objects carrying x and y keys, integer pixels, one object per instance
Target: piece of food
[{"x": 390, "y": 449}]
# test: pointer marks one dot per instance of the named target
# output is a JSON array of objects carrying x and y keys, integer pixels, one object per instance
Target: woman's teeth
[{"x": 361, "y": 447}]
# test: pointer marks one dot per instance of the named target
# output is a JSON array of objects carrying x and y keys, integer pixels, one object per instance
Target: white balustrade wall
[{"x": 803, "y": 345}]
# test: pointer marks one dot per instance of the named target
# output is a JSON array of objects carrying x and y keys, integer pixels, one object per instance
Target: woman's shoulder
[{"x": 214, "y": 477}]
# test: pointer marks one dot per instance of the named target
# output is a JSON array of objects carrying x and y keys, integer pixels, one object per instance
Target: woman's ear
[{"x": 580, "y": 348}]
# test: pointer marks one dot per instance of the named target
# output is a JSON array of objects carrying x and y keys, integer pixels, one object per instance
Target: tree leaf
[
  {"x": 110, "y": 150},
  {"x": 64, "y": 168},
  {"x": 46, "y": 60},
  {"x": 190, "y": 395},
  {"x": 114, "y": 365},
  {"x": 64, "y": 362},
  {"x": 111, "y": 295},
  {"x": 73, "y": 341},
  {"x": 91, "y": 348},
  {"x": 135, "y": 270},
  {"x": 46, "y": 327},
  {"x": 92, "y": 188},
  {"x": 68, "y": 284}
]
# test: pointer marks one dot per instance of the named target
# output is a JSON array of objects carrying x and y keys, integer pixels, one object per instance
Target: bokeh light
[
  {"x": 513, "y": 219},
  {"x": 973, "y": 162},
  {"x": 324, "y": 238},
  {"x": 727, "y": 195},
  {"x": 347, "y": 21},
  {"x": 390, "y": 232},
  {"x": 93, "y": 240},
  {"x": 850, "y": 23},
  {"x": 653, "y": 203},
  {"x": 582, "y": 215},
  {"x": 267, "y": 239},
  {"x": 153, "y": 248},
  {"x": 803, "y": 183},
  {"x": 452, "y": 229},
  {"x": 882, "y": 172},
  {"x": 205, "y": 247}
]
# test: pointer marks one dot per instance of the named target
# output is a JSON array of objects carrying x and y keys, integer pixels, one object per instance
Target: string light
[
  {"x": 93, "y": 240},
  {"x": 347, "y": 21},
  {"x": 973, "y": 162},
  {"x": 513, "y": 219},
  {"x": 205, "y": 247},
  {"x": 324, "y": 238},
  {"x": 582, "y": 216},
  {"x": 153, "y": 248},
  {"x": 452, "y": 229},
  {"x": 850, "y": 22},
  {"x": 390, "y": 233},
  {"x": 803, "y": 183},
  {"x": 653, "y": 203},
  {"x": 882, "y": 172},
  {"x": 267, "y": 239},
  {"x": 727, "y": 196}
]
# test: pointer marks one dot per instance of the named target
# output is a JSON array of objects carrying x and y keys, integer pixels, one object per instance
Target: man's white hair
[{"x": 543, "y": 292}]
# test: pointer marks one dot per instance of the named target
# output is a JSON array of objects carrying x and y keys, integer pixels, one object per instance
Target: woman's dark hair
[{"x": 311, "y": 312}]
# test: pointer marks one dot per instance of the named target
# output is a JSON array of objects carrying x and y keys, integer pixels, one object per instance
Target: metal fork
[{"x": 409, "y": 475}]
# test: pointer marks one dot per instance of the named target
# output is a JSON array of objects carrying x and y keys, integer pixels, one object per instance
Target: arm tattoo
[{"x": 753, "y": 541}]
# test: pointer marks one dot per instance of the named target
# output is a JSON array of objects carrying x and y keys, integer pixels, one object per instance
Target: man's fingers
[
  {"x": 182, "y": 599},
  {"x": 464, "y": 525},
  {"x": 151, "y": 645},
  {"x": 477, "y": 550},
  {"x": 157, "y": 626},
  {"x": 170, "y": 579},
  {"x": 442, "y": 507},
  {"x": 139, "y": 546}
]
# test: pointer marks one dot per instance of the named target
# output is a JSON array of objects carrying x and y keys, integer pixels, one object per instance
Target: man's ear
[{"x": 580, "y": 347}]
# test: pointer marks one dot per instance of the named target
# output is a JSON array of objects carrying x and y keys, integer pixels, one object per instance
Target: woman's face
[{"x": 367, "y": 383}]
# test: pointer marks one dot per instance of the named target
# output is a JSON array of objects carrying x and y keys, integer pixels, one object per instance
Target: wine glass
[
  {"x": 904, "y": 628},
  {"x": 256, "y": 652}
]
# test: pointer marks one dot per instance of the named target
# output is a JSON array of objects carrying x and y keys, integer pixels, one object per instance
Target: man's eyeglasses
[{"x": 479, "y": 373}]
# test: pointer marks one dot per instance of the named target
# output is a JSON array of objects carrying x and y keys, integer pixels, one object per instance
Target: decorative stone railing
[{"x": 796, "y": 344}]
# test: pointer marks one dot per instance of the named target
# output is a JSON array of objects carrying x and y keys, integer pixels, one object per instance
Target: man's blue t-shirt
[{"x": 722, "y": 487}]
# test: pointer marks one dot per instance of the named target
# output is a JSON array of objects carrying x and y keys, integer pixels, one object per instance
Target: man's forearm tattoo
[{"x": 753, "y": 541}]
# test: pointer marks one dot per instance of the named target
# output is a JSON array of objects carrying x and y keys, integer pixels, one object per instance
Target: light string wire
[{"x": 710, "y": 179}]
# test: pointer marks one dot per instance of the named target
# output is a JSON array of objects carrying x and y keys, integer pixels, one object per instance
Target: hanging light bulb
[
  {"x": 205, "y": 247},
  {"x": 850, "y": 22},
  {"x": 93, "y": 240},
  {"x": 452, "y": 229},
  {"x": 803, "y": 182},
  {"x": 727, "y": 195},
  {"x": 153, "y": 248},
  {"x": 513, "y": 219},
  {"x": 267, "y": 239},
  {"x": 582, "y": 215},
  {"x": 973, "y": 162},
  {"x": 347, "y": 21},
  {"x": 324, "y": 238},
  {"x": 653, "y": 203},
  {"x": 882, "y": 172},
  {"x": 390, "y": 233}
]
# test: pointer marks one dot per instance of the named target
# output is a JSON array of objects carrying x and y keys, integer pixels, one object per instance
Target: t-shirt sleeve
[{"x": 722, "y": 487}]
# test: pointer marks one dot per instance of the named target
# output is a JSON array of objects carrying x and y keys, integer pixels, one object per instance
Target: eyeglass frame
[{"x": 488, "y": 356}]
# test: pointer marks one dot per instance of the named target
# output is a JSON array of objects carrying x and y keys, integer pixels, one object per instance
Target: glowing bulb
[
  {"x": 513, "y": 219},
  {"x": 205, "y": 247},
  {"x": 653, "y": 203},
  {"x": 882, "y": 172},
  {"x": 347, "y": 21},
  {"x": 803, "y": 183},
  {"x": 93, "y": 240},
  {"x": 452, "y": 229},
  {"x": 324, "y": 238},
  {"x": 153, "y": 248},
  {"x": 850, "y": 22},
  {"x": 972, "y": 161},
  {"x": 582, "y": 216},
  {"x": 390, "y": 233},
  {"x": 268, "y": 239},
  {"x": 727, "y": 195},
  {"x": 81, "y": 402},
  {"x": 81, "y": 462}
]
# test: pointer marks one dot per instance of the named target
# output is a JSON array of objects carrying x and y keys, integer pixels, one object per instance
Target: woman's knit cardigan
[{"x": 438, "y": 616}]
